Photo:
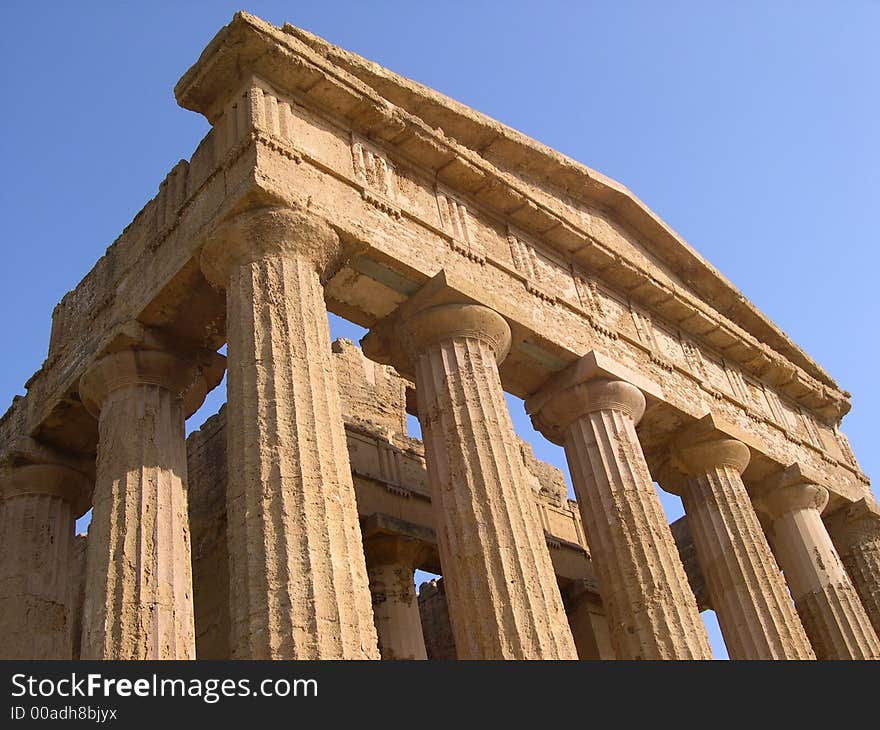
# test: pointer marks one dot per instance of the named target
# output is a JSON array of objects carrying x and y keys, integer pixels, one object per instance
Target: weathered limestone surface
[
  {"x": 499, "y": 579},
  {"x": 747, "y": 591},
  {"x": 391, "y": 561},
  {"x": 208, "y": 478},
  {"x": 651, "y": 610},
  {"x": 502, "y": 592},
  {"x": 373, "y": 396},
  {"x": 823, "y": 594},
  {"x": 855, "y": 531},
  {"x": 38, "y": 504},
  {"x": 436, "y": 626},
  {"x": 418, "y": 187},
  {"x": 589, "y": 625},
  {"x": 298, "y": 581},
  {"x": 547, "y": 480},
  {"x": 77, "y": 593},
  {"x": 138, "y": 594}
]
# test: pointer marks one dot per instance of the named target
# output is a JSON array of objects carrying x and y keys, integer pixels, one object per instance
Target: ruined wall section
[
  {"x": 373, "y": 396},
  {"x": 77, "y": 589},
  {"x": 558, "y": 513},
  {"x": 548, "y": 481},
  {"x": 436, "y": 626},
  {"x": 206, "y": 466}
]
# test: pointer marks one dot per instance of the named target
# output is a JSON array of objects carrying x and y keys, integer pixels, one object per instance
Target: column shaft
[
  {"x": 298, "y": 581},
  {"x": 855, "y": 531},
  {"x": 36, "y": 540},
  {"x": 757, "y": 618},
  {"x": 589, "y": 627},
  {"x": 396, "y": 611},
  {"x": 650, "y": 607},
  {"x": 828, "y": 605},
  {"x": 138, "y": 597},
  {"x": 503, "y": 598}
]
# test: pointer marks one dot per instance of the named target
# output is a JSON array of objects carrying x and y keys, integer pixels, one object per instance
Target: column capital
[
  {"x": 698, "y": 458},
  {"x": 792, "y": 498},
  {"x": 33, "y": 467},
  {"x": 855, "y": 531},
  {"x": 393, "y": 550},
  {"x": 55, "y": 480},
  {"x": 439, "y": 312},
  {"x": 790, "y": 489},
  {"x": 389, "y": 540},
  {"x": 582, "y": 588},
  {"x": 701, "y": 447},
  {"x": 591, "y": 383},
  {"x": 568, "y": 405},
  {"x": 261, "y": 232},
  {"x": 144, "y": 356},
  {"x": 27, "y": 450},
  {"x": 444, "y": 322},
  {"x": 854, "y": 523}
]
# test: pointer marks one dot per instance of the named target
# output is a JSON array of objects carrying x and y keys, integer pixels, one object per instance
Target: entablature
[{"x": 600, "y": 242}]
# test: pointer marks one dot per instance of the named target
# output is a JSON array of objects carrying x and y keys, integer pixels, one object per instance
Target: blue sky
[{"x": 750, "y": 127}]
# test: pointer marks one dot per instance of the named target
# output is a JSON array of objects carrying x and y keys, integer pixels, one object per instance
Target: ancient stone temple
[{"x": 289, "y": 526}]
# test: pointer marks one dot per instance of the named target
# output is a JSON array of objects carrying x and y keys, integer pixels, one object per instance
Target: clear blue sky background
[{"x": 750, "y": 127}]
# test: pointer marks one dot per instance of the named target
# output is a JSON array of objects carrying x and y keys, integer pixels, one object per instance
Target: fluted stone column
[
  {"x": 138, "y": 594},
  {"x": 298, "y": 580},
  {"x": 589, "y": 625},
  {"x": 38, "y": 505},
  {"x": 390, "y": 568},
  {"x": 651, "y": 610},
  {"x": 504, "y": 601},
  {"x": 855, "y": 531},
  {"x": 829, "y": 607},
  {"x": 747, "y": 591}
]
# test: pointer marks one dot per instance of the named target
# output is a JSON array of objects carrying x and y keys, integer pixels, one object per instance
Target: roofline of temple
[{"x": 533, "y": 161}]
